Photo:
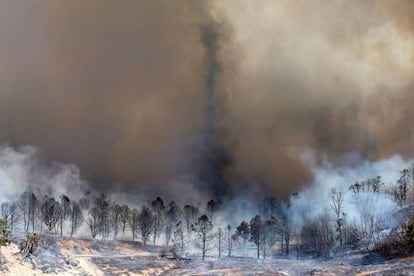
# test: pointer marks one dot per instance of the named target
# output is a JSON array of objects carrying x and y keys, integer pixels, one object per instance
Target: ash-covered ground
[{"x": 67, "y": 256}]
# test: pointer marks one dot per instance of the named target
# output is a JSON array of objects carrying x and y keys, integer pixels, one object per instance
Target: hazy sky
[{"x": 150, "y": 93}]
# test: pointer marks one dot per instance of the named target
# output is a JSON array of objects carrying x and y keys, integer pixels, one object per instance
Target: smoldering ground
[{"x": 211, "y": 95}]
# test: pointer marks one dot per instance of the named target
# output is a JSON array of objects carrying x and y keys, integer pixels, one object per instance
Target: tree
[
  {"x": 93, "y": 221},
  {"x": 133, "y": 222},
  {"x": 145, "y": 224},
  {"x": 51, "y": 212},
  {"x": 229, "y": 240},
  {"x": 337, "y": 205},
  {"x": 257, "y": 232},
  {"x": 191, "y": 214},
  {"x": 243, "y": 231},
  {"x": 212, "y": 208},
  {"x": 400, "y": 190},
  {"x": 158, "y": 208},
  {"x": 9, "y": 212},
  {"x": 203, "y": 228},
  {"x": 29, "y": 206},
  {"x": 179, "y": 239},
  {"x": 115, "y": 214},
  {"x": 124, "y": 217},
  {"x": 76, "y": 218},
  {"x": 103, "y": 205},
  {"x": 66, "y": 209},
  {"x": 4, "y": 233},
  {"x": 172, "y": 217},
  {"x": 220, "y": 239},
  {"x": 317, "y": 234}
]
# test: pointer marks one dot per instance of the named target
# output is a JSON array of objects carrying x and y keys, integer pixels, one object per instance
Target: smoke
[
  {"x": 209, "y": 96},
  {"x": 316, "y": 198},
  {"x": 22, "y": 169}
]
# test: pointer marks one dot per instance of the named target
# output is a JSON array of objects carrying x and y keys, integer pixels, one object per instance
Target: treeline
[{"x": 353, "y": 219}]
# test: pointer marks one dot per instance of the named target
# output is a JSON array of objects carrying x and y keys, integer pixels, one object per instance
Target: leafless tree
[
  {"x": 158, "y": 208},
  {"x": 243, "y": 231},
  {"x": 337, "y": 205},
  {"x": 318, "y": 235},
  {"x": 29, "y": 207},
  {"x": 229, "y": 240},
  {"x": 191, "y": 213},
  {"x": 179, "y": 238},
  {"x": 51, "y": 212},
  {"x": 66, "y": 209},
  {"x": 76, "y": 217},
  {"x": 93, "y": 221},
  {"x": 172, "y": 216},
  {"x": 203, "y": 228},
  {"x": 220, "y": 236},
  {"x": 115, "y": 214},
  {"x": 133, "y": 222},
  {"x": 124, "y": 217},
  {"x": 103, "y": 204},
  {"x": 400, "y": 190},
  {"x": 257, "y": 233},
  {"x": 146, "y": 224}
]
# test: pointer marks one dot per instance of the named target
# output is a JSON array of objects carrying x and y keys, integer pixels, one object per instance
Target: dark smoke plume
[{"x": 214, "y": 96}]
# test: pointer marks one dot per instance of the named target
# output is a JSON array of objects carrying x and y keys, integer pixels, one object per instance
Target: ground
[{"x": 65, "y": 256}]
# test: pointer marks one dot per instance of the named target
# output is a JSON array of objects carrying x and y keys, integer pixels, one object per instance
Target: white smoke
[
  {"x": 23, "y": 168},
  {"x": 315, "y": 198}
]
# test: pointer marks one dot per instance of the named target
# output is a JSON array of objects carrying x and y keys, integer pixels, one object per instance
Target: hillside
[{"x": 65, "y": 256}]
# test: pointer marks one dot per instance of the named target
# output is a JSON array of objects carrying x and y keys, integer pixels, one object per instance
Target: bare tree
[
  {"x": 146, "y": 224},
  {"x": 103, "y": 204},
  {"x": 203, "y": 228},
  {"x": 220, "y": 236},
  {"x": 133, "y": 222},
  {"x": 257, "y": 233},
  {"x": 158, "y": 208},
  {"x": 179, "y": 239},
  {"x": 66, "y": 209},
  {"x": 51, "y": 212},
  {"x": 243, "y": 231},
  {"x": 191, "y": 213},
  {"x": 76, "y": 218},
  {"x": 400, "y": 190},
  {"x": 124, "y": 217},
  {"x": 94, "y": 221},
  {"x": 229, "y": 240},
  {"x": 172, "y": 217},
  {"x": 115, "y": 214},
  {"x": 318, "y": 235},
  {"x": 212, "y": 209},
  {"x": 337, "y": 205}
]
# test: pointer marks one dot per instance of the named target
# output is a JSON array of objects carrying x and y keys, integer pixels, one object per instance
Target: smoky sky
[{"x": 223, "y": 94}]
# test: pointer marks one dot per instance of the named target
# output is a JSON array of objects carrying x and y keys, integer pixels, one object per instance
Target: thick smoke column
[
  {"x": 214, "y": 158},
  {"x": 217, "y": 96}
]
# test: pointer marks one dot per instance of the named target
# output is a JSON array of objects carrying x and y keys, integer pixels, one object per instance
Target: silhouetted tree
[
  {"x": 146, "y": 224},
  {"x": 257, "y": 232},
  {"x": 133, "y": 222},
  {"x": 93, "y": 221},
  {"x": 172, "y": 217},
  {"x": 115, "y": 214},
  {"x": 66, "y": 209},
  {"x": 76, "y": 218},
  {"x": 158, "y": 208},
  {"x": 124, "y": 217},
  {"x": 219, "y": 235},
  {"x": 203, "y": 227},
  {"x": 191, "y": 214},
  {"x": 51, "y": 212},
  {"x": 243, "y": 231}
]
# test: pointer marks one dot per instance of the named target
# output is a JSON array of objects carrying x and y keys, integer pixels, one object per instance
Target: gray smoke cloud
[{"x": 211, "y": 96}]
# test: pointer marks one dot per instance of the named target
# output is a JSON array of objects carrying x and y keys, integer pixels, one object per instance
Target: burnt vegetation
[{"x": 278, "y": 229}]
